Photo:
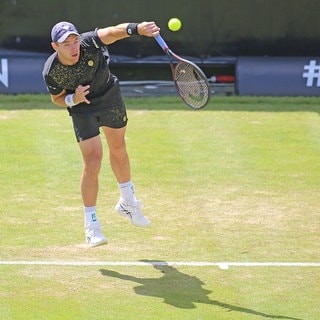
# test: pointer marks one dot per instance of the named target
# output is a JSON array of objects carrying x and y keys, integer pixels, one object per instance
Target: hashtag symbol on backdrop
[{"x": 312, "y": 73}]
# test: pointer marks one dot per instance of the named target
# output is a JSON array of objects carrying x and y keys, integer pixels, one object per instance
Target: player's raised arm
[{"x": 112, "y": 34}]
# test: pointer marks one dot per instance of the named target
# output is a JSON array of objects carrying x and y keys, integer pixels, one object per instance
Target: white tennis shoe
[
  {"x": 94, "y": 236},
  {"x": 133, "y": 213}
]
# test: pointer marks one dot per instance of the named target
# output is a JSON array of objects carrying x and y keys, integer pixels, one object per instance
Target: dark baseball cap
[{"x": 62, "y": 30}]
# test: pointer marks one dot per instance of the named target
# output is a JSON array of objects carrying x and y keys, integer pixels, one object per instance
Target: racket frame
[{"x": 174, "y": 61}]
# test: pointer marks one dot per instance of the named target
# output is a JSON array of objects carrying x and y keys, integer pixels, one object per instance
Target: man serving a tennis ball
[{"x": 78, "y": 78}]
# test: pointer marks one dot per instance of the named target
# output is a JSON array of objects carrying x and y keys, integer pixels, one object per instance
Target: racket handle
[{"x": 161, "y": 42}]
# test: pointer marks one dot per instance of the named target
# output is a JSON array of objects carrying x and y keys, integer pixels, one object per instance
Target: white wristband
[{"x": 69, "y": 100}]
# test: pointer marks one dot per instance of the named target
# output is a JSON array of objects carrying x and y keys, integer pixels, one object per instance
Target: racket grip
[{"x": 161, "y": 42}]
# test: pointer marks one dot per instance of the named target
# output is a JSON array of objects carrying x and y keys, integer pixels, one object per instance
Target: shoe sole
[
  {"x": 123, "y": 214},
  {"x": 97, "y": 244}
]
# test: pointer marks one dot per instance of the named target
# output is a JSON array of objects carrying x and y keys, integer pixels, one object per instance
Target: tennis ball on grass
[{"x": 174, "y": 24}]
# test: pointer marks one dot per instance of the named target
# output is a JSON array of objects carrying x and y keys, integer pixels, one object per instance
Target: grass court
[{"x": 237, "y": 182}]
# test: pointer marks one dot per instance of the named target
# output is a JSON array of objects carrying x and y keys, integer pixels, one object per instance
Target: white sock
[
  {"x": 90, "y": 216},
  {"x": 127, "y": 192}
]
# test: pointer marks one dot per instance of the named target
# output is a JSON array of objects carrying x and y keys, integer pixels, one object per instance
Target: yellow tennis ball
[{"x": 174, "y": 24}]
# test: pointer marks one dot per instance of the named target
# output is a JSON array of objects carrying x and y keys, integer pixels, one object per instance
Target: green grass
[{"x": 236, "y": 181}]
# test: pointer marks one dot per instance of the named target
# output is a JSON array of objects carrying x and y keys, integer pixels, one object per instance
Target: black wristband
[{"x": 132, "y": 29}]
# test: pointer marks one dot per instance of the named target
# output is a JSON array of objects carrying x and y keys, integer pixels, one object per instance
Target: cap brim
[{"x": 66, "y": 35}]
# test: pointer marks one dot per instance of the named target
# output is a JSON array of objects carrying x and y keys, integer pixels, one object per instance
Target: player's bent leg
[
  {"x": 121, "y": 167},
  {"x": 119, "y": 159}
]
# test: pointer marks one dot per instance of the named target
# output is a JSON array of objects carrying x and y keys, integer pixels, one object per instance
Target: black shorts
[{"x": 86, "y": 125}]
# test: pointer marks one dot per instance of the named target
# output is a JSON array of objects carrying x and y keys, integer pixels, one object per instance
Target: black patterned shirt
[{"x": 91, "y": 69}]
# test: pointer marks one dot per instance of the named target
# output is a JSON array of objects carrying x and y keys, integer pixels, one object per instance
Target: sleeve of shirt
[
  {"x": 91, "y": 40},
  {"x": 52, "y": 86}
]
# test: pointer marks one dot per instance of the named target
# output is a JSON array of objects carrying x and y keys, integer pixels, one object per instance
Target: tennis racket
[{"x": 191, "y": 83}]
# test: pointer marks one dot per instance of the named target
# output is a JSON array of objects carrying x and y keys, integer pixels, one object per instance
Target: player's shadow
[{"x": 180, "y": 290}]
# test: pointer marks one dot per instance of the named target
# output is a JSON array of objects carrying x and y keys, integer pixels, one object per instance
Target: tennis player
[{"x": 78, "y": 78}]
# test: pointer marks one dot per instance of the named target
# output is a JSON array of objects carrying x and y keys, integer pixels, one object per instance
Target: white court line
[{"x": 159, "y": 263}]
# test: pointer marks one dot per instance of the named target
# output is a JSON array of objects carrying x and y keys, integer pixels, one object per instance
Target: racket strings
[{"x": 192, "y": 85}]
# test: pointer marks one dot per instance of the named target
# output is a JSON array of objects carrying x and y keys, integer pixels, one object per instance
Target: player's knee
[
  {"x": 92, "y": 164},
  {"x": 118, "y": 148}
]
